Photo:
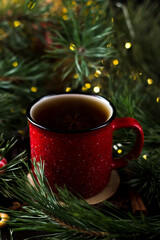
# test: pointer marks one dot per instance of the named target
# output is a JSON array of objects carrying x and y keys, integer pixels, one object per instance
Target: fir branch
[
  {"x": 14, "y": 166},
  {"x": 65, "y": 216},
  {"x": 145, "y": 177},
  {"x": 74, "y": 41}
]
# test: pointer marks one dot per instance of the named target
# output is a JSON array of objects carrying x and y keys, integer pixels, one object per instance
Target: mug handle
[{"x": 128, "y": 122}]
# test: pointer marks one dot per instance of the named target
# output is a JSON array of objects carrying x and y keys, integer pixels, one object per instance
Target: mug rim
[{"x": 31, "y": 120}]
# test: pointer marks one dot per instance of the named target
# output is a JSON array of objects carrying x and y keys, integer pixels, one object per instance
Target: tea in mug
[{"x": 74, "y": 112}]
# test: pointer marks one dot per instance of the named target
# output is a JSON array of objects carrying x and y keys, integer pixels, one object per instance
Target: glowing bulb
[
  {"x": 158, "y": 99},
  {"x": 128, "y": 45},
  {"x": 150, "y": 81},
  {"x": 65, "y": 17},
  {"x": 84, "y": 88},
  {"x": 33, "y": 89},
  {"x": 88, "y": 85},
  {"x": 89, "y": 3},
  {"x": 145, "y": 156},
  {"x": 76, "y": 76},
  {"x": 15, "y": 64},
  {"x": 97, "y": 73},
  {"x": 64, "y": 10},
  {"x": 96, "y": 89},
  {"x": 72, "y": 47},
  {"x": 16, "y": 23},
  {"x": 119, "y": 151},
  {"x": 115, "y": 62},
  {"x": 23, "y": 111},
  {"x": 68, "y": 89}
]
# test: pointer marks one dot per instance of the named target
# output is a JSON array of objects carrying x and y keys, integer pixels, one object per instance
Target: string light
[
  {"x": 119, "y": 151},
  {"x": 68, "y": 89},
  {"x": 65, "y": 10},
  {"x": 21, "y": 132},
  {"x": 97, "y": 73},
  {"x": 33, "y": 89},
  {"x": 65, "y": 17},
  {"x": 145, "y": 156},
  {"x": 140, "y": 73},
  {"x": 76, "y": 76},
  {"x": 31, "y": 5},
  {"x": 115, "y": 62},
  {"x": 73, "y": 3},
  {"x": 16, "y": 23},
  {"x": 128, "y": 45},
  {"x": 88, "y": 2},
  {"x": 23, "y": 111},
  {"x": 72, "y": 47},
  {"x": 115, "y": 147},
  {"x": 109, "y": 45},
  {"x": 158, "y": 99},
  {"x": 15, "y": 64},
  {"x": 112, "y": 20},
  {"x": 150, "y": 81},
  {"x": 84, "y": 88},
  {"x": 88, "y": 85},
  {"x": 96, "y": 89}
]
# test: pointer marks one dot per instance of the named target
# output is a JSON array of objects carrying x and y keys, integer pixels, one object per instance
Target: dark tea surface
[{"x": 72, "y": 112}]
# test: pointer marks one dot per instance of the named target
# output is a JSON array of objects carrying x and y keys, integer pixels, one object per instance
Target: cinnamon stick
[{"x": 137, "y": 204}]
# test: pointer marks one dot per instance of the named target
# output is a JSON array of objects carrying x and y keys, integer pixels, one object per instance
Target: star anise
[{"x": 76, "y": 122}]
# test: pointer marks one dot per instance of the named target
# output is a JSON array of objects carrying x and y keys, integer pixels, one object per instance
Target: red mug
[{"x": 79, "y": 159}]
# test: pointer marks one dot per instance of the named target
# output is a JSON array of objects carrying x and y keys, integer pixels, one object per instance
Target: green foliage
[
  {"x": 64, "y": 216},
  {"x": 145, "y": 177},
  {"x": 12, "y": 169},
  {"x": 80, "y": 43},
  {"x": 50, "y": 50}
]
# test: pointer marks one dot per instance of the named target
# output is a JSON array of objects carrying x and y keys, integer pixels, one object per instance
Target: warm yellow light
[
  {"x": 76, "y": 76},
  {"x": 33, "y": 89},
  {"x": 109, "y": 45},
  {"x": 21, "y": 132},
  {"x": 84, "y": 88},
  {"x": 88, "y": 85},
  {"x": 119, "y": 151},
  {"x": 15, "y": 64},
  {"x": 128, "y": 45},
  {"x": 64, "y": 10},
  {"x": 112, "y": 20},
  {"x": 150, "y": 81},
  {"x": 96, "y": 89},
  {"x": 97, "y": 73},
  {"x": 145, "y": 156},
  {"x": 72, "y": 47},
  {"x": 68, "y": 89},
  {"x": 158, "y": 99},
  {"x": 115, "y": 62},
  {"x": 16, "y": 23},
  {"x": 65, "y": 17},
  {"x": 23, "y": 111},
  {"x": 140, "y": 73},
  {"x": 89, "y": 3}
]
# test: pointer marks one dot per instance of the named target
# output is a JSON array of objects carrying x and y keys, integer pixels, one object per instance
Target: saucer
[{"x": 106, "y": 193}]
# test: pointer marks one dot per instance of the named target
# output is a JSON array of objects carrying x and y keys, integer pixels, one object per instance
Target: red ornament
[{"x": 3, "y": 162}]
